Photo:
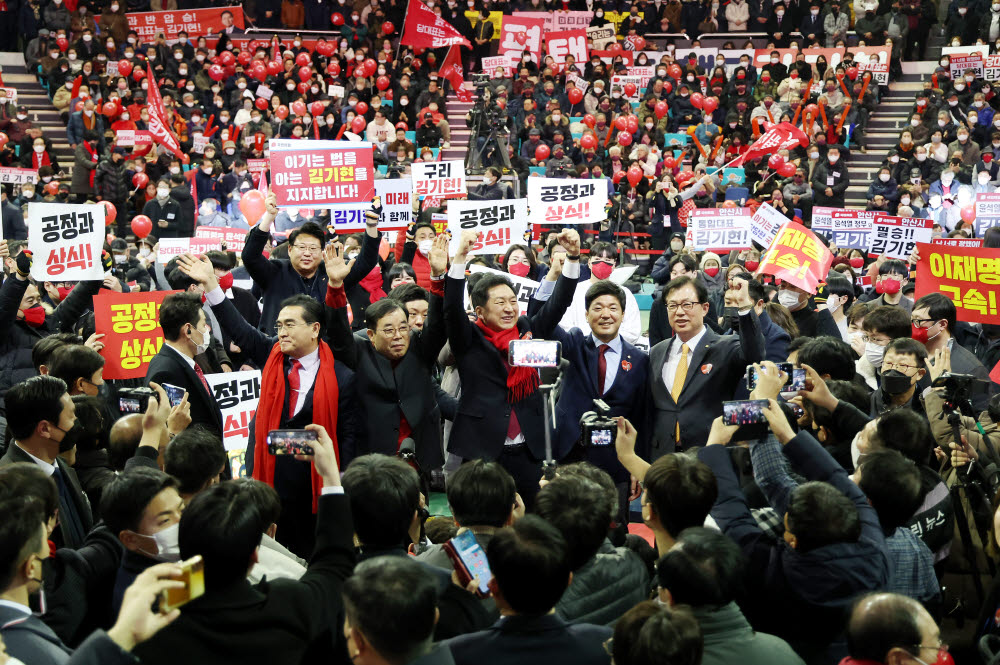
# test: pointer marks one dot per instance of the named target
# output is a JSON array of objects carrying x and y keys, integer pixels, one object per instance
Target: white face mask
[
  {"x": 206, "y": 340},
  {"x": 921, "y": 158},
  {"x": 39, "y": 148},
  {"x": 833, "y": 158},
  {"x": 904, "y": 201},
  {"x": 788, "y": 298},
  {"x": 984, "y": 178},
  {"x": 114, "y": 8},
  {"x": 884, "y": 177},
  {"x": 425, "y": 246},
  {"x": 813, "y": 155},
  {"x": 144, "y": 251},
  {"x": 162, "y": 192},
  {"x": 874, "y": 353},
  {"x": 167, "y": 547},
  {"x": 915, "y": 122},
  {"x": 121, "y": 258}
]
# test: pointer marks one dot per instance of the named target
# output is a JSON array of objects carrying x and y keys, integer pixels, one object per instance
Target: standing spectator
[{"x": 165, "y": 212}]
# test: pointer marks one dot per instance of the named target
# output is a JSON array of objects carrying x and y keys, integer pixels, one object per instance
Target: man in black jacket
[
  {"x": 181, "y": 192},
  {"x": 303, "y": 271},
  {"x": 11, "y": 217},
  {"x": 165, "y": 212}
]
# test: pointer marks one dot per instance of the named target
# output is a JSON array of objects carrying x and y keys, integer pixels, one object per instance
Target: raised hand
[
  {"x": 769, "y": 381},
  {"x": 200, "y": 270},
  {"x": 465, "y": 245},
  {"x": 570, "y": 240},
  {"x": 337, "y": 269},
  {"x": 438, "y": 258}
]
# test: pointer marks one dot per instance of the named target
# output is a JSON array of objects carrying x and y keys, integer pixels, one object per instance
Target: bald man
[{"x": 892, "y": 629}]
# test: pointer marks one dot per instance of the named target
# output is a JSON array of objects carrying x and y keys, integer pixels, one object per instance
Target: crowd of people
[{"x": 852, "y": 518}]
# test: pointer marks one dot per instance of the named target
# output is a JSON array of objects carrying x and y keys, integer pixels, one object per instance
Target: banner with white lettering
[
  {"x": 520, "y": 33},
  {"x": 524, "y": 288},
  {"x": 565, "y": 201},
  {"x": 897, "y": 237},
  {"x": 66, "y": 241},
  {"x": 568, "y": 42},
  {"x": 237, "y": 394},
  {"x": 719, "y": 229},
  {"x": 442, "y": 179},
  {"x": 500, "y": 224},
  {"x": 396, "y": 208}
]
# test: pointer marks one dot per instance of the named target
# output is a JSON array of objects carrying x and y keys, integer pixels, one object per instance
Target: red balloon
[
  {"x": 709, "y": 104},
  {"x": 624, "y": 138},
  {"x": 299, "y": 107},
  {"x": 259, "y": 71},
  {"x": 697, "y": 100},
  {"x": 260, "y": 103},
  {"x": 621, "y": 122},
  {"x": 634, "y": 175},
  {"x": 674, "y": 72},
  {"x": 303, "y": 59},
  {"x": 615, "y": 49},
  {"x": 633, "y": 124},
  {"x": 588, "y": 142},
  {"x": 316, "y": 108},
  {"x": 325, "y": 48},
  {"x": 617, "y": 178},
  {"x": 575, "y": 96},
  {"x": 244, "y": 58},
  {"x": 52, "y": 188},
  {"x": 669, "y": 163},
  {"x": 502, "y": 103},
  {"x": 252, "y": 205},
  {"x": 303, "y": 87},
  {"x": 62, "y": 43},
  {"x": 305, "y": 73},
  {"x": 227, "y": 58},
  {"x": 110, "y": 212},
  {"x": 370, "y": 66},
  {"x": 124, "y": 67},
  {"x": 215, "y": 72},
  {"x": 630, "y": 89},
  {"x": 668, "y": 87},
  {"x": 337, "y": 19},
  {"x": 968, "y": 213},
  {"x": 138, "y": 74},
  {"x": 273, "y": 68},
  {"x": 589, "y": 120},
  {"x": 361, "y": 108},
  {"x": 140, "y": 180},
  {"x": 542, "y": 152},
  {"x": 281, "y": 112},
  {"x": 358, "y": 124},
  {"x": 775, "y": 161},
  {"x": 388, "y": 28},
  {"x": 521, "y": 38},
  {"x": 661, "y": 109},
  {"x": 3, "y": 140},
  {"x": 109, "y": 109},
  {"x": 141, "y": 226},
  {"x": 852, "y": 73},
  {"x": 787, "y": 170},
  {"x": 812, "y": 110},
  {"x": 639, "y": 43},
  {"x": 79, "y": 105},
  {"x": 382, "y": 82},
  {"x": 388, "y": 95}
]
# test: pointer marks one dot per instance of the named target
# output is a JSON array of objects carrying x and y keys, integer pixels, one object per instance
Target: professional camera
[
  {"x": 959, "y": 390},
  {"x": 134, "y": 400},
  {"x": 480, "y": 79},
  {"x": 597, "y": 427}
]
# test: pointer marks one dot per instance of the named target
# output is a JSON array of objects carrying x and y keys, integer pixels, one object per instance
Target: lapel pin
[
  {"x": 626, "y": 365},
  {"x": 706, "y": 368}
]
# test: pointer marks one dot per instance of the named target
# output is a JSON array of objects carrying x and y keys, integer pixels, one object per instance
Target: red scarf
[
  {"x": 521, "y": 381},
  {"x": 325, "y": 404},
  {"x": 93, "y": 157},
  {"x": 40, "y": 160},
  {"x": 372, "y": 283}
]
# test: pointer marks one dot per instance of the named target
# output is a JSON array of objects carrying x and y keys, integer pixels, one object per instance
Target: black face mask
[
  {"x": 71, "y": 436},
  {"x": 895, "y": 382}
]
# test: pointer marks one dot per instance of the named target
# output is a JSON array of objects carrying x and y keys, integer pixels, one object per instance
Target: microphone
[{"x": 408, "y": 453}]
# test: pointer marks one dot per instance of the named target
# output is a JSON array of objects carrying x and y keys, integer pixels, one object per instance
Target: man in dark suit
[
  {"x": 277, "y": 620},
  {"x": 186, "y": 334},
  {"x": 531, "y": 570},
  {"x": 500, "y": 411},
  {"x": 695, "y": 370},
  {"x": 11, "y": 218},
  {"x": 776, "y": 338},
  {"x": 396, "y": 391},
  {"x": 42, "y": 418},
  {"x": 602, "y": 365}
]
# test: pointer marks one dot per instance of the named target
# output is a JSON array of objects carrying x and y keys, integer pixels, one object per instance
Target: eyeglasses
[
  {"x": 686, "y": 306},
  {"x": 608, "y": 645},
  {"x": 941, "y": 648},
  {"x": 923, "y": 323},
  {"x": 902, "y": 367},
  {"x": 308, "y": 249},
  {"x": 880, "y": 342},
  {"x": 391, "y": 332},
  {"x": 278, "y": 327}
]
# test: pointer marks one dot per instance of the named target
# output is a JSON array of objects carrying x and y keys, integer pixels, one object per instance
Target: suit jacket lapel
[
  {"x": 591, "y": 358},
  {"x": 697, "y": 356}
]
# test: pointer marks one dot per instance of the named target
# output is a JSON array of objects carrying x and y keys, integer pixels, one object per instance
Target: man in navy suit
[
  {"x": 776, "y": 338},
  {"x": 602, "y": 366},
  {"x": 693, "y": 372}
]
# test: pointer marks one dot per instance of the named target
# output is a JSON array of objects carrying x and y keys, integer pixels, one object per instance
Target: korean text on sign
[
  {"x": 764, "y": 225},
  {"x": 564, "y": 201},
  {"x": 237, "y": 394},
  {"x": 322, "y": 173},
  {"x": 234, "y": 238},
  {"x": 524, "y": 288},
  {"x": 852, "y": 228},
  {"x": 720, "y": 229},
  {"x": 987, "y": 212},
  {"x": 970, "y": 277},
  {"x": 192, "y": 21},
  {"x": 130, "y": 323},
  {"x": 500, "y": 224},
  {"x": 798, "y": 257},
  {"x": 66, "y": 241},
  {"x": 897, "y": 237},
  {"x": 396, "y": 208},
  {"x": 442, "y": 179},
  {"x": 16, "y": 176}
]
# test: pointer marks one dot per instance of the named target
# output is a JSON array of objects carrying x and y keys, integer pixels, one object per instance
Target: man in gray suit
[{"x": 696, "y": 369}]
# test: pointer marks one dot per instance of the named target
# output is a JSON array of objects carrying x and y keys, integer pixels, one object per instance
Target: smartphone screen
[
  {"x": 748, "y": 412},
  {"x": 291, "y": 441},
  {"x": 534, "y": 353},
  {"x": 193, "y": 576},
  {"x": 474, "y": 558},
  {"x": 175, "y": 394},
  {"x": 796, "y": 377},
  {"x": 129, "y": 405}
]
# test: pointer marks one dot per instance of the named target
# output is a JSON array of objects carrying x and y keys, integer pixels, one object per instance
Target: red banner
[
  {"x": 798, "y": 257},
  {"x": 158, "y": 125},
  {"x": 970, "y": 277},
  {"x": 568, "y": 42},
  {"x": 455, "y": 75},
  {"x": 958, "y": 242},
  {"x": 316, "y": 177},
  {"x": 234, "y": 238},
  {"x": 130, "y": 323},
  {"x": 195, "y": 22},
  {"x": 781, "y": 136},
  {"x": 519, "y": 34},
  {"x": 424, "y": 29}
]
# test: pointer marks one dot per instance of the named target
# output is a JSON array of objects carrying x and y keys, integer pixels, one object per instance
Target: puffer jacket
[
  {"x": 110, "y": 182},
  {"x": 17, "y": 337},
  {"x": 606, "y": 587}
]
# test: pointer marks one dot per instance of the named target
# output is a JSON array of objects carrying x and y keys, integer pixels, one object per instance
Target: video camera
[
  {"x": 959, "y": 389},
  {"x": 480, "y": 80},
  {"x": 597, "y": 428}
]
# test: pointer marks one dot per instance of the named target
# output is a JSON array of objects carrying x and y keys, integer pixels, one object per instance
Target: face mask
[
  {"x": 874, "y": 353},
  {"x": 814, "y": 12},
  {"x": 519, "y": 269},
  {"x": 895, "y": 382},
  {"x": 833, "y": 158},
  {"x": 922, "y": 334},
  {"x": 774, "y": 61},
  {"x": 954, "y": 102},
  {"x": 121, "y": 258},
  {"x": 241, "y": 85},
  {"x": 601, "y": 269},
  {"x": 144, "y": 251},
  {"x": 788, "y": 298},
  {"x": 921, "y": 158},
  {"x": 39, "y": 148},
  {"x": 894, "y": 160},
  {"x": 984, "y": 178},
  {"x": 904, "y": 201},
  {"x": 174, "y": 170},
  {"x": 963, "y": 137},
  {"x": 34, "y": 316},
  {"x": 162, "y": 192},
  {"x": 206, "y": 340},
  {"x": 814, "y": 155},
  {"x": 424, "y": 246},
  {"x": 891, "y": 285},
  {"x": 70, "y": 436},
  {"x": 856, "y": 444},
  {"x": 167, "y": 547}
]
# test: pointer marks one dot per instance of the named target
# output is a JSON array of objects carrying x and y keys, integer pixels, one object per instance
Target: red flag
[
  {"x": 455, "y": 75},
  {"x": 158, "y": 118},
  {"x": 424, "y": 29},
  {"x": 781, "y": 136}
]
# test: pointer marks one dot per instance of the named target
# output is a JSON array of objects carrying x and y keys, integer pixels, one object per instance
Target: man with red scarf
[{"x": 500, "y": 412}]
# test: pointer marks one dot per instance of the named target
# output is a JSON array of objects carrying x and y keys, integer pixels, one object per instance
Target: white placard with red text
[
  {"x": 66, "y": 241},
  {"x": 500, "y": 224},
  {"x": 168, "y": 248},
  {"x": 237, "y": 394},
  {"x": 566, "y": 201},
  {"x": 17, "y": 176},
  {"x": 719, "y": 229}
]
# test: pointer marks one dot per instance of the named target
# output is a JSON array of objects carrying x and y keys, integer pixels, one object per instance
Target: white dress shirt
[
  {"x": 307, "y": 376},
  {"x": 612, "y": 358},
  {"x": 49, "y": 469},
  {"x": 188, "y": 359},
  {"x": 674, "y": 357},
  {"x": 576, "y": 314}
]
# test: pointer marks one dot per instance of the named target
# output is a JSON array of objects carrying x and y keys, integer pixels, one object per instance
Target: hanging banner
[
  {"x": 127, "y": 138},
  {"x": 987, "y": 212},
  {"x": 897, "y": 237},
  {"x": 764, "y": 225},
  {"x": 524, "y": 288},
  {"x": 237, "y": 394},
  {"x": 17, "y": 176},
  {"x": 798, "y": 257},
  {"x": 568, "y": 42},
  {"x": 969, "y": 277},
  {"x": 396, "y": 208},
  {"x": 66, "y": 241},
  {"x": 195, "y": 22},
  {"x": 565, "y": 201},
  {"x": 321, "y": 173},
  {"x": 443, "y": 179},
  {"x": 234, "y": 238},
  {"x": 719, "y": 229},
  {"x": 500, "y": 224},
  {"x": 130, "y": 323}
]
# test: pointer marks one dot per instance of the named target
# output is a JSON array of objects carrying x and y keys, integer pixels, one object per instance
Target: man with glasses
[
  {"x": 881, "y": 325},
  {"x": 903, "y": 366},
  {"x": 303, "y": 271},
  {"x": 892, "y": 628},
  {"x": 693, "y": 372}
]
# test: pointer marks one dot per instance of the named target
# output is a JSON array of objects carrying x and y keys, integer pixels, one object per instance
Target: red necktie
[
  {"x": 201, "y": 375},
  {"x": 293, "y": 383},
  {"x": 602, "y": 366}
]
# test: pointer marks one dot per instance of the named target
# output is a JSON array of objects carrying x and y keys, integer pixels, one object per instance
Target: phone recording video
[
  {"x": 744, "y": 412},
  {"x": 470, "y": 561},
  {"x": 291, "y": 441},
  {"x": 796, "y": 377},
  {"x": 534, "y": 353},
  {"x": 175, "y": 394},
  {"x": 193, "y": 576}
]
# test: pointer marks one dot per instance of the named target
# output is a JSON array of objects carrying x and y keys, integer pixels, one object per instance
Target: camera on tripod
[
  {"x": 597, "y": 428},
  {"x": 959, "y": 389},
  {"x": 480, "y": 80}
]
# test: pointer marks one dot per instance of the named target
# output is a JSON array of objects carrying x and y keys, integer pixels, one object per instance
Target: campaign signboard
[
  {"x": 874, "y": 59},
  {"x": 897, "y": 237},
  {"x": 127, "y": 138},
  {"x": 524, "y": 288},
  {"x": 235, "y": 239},
  {"x": 565, "y": 201},
  {"x": 719, "y": 229},
  {"x": 321, "y": 173},
  {"x": 987, "y": 212},
  {"x": 966, "y": 243},
  {"x": 960, "y": 63},
  {"x": 512, "y": 45},
  {"x": 396, "y": 208},
  {"x": 970, "y": 277},
  {"x": 601, "y": 36},
  {"x": 130, "y": 323},
  {"x": 66, "y": 241},
  {"x": 168, "y": 248},
  {"x": 765, "y": 223},
  {"x": 237, "y": 394},
  {"x": 567, "y": 20},
  {"x": 798, "y": 257},
  {"x": 192, "y": 21},
  {"x": 17, "y": 176},
  {"x": 442, "y": 179},
  {"x": 568, "y": 42},
  {"x": 500, "y": 224}
]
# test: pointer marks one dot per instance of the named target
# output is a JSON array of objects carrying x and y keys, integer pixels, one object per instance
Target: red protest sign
[
  {"x": 130, "y": 323},
  {"x": 969, "y": 276},
  {"x": 234, "y": 238},
  {"x": 958, "y": 242},
  {"x": 532, "y": 30},
  {"x": 193, "y": 21},
  {"x": 323, "y": 176},
  {"x": 798, "y": 257},
  {"x": 567, "y": 42}
]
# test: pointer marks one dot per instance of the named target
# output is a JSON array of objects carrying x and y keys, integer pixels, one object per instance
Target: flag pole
[{"x": 402, "y": 30}]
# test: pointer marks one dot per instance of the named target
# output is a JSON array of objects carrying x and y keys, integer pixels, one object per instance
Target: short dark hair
[
  {"x": 20, "y": 534},
  {"x": 891, "y": 623},
  {"x": 841, "y": 286},
  {"x": 25, "y": 479},
  {"x": 939, "y": 306},
  {"x": 382, "y": 308},
  {"x": 72, "y": 362},
  {"x": 177, "y": 311},
  {"x": 893, "y": 486},
  {"x": 224, "y": 525},
  {"x": 889, "y": 320},
  {"x": 530, "y": 255},
  {"x": 124, "y": 499},
  {"x": 689, "y": 263},
  {"x": 604, "y": 287},
  {"x": 650, "y": 633},
  {"x": 312, "y": 309},
  {"x": 706, "y": 571},
  {"x": 828, "y": 356},
  {"x": 32, "y": 401},
  {"x": 90, "y": 413},
  {"x": 681, "y": 490},
  {"x": 906, "y": 431},
  {"x": 384, "y": 493},
  {"x": 178, "y": 281},
  {"x": 530, "y": 563},
  {"x": 908, "y": 346},
  {"x": 686, "y": 280},
  {"x": 579, "y": 509},
  {"x": 398, "y": 268},
  {"x": 392, "y": 601},
  {"x": 481, "y": 493},
  {"x": 819, "y": 514},
  {"x": 894, "y": 267},
  {"x": 481, "y": 291},
  {"x": 407, "y": 293},
  {"x": 194, "y": 457},
  {"x": 264, "y": 497},
  {"x": 596, "y": 475},
  {"x": 858, "y": 310},
  {"x": 43, "y": 348},
  {"x": 311, "y": 229},
  {"x": 603, "y": 250}
]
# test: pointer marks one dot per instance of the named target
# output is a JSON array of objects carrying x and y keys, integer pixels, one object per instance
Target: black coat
[
  {"x": 168, "y": 366},
  {"x": 548, "y": 638},
  {"x": 111, "y": 184},
  {"x": 170, "y": 212},
  {"x": 13, "y": 224}
]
